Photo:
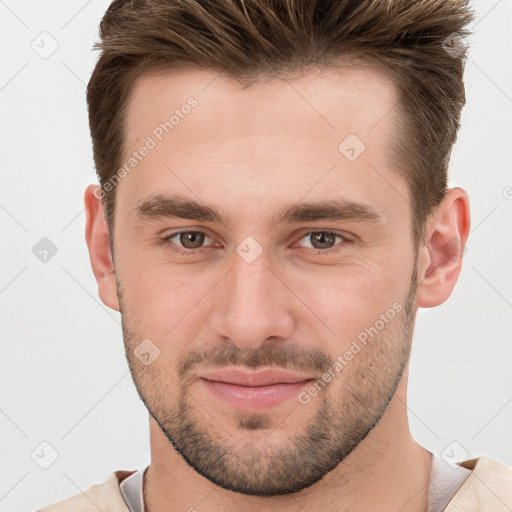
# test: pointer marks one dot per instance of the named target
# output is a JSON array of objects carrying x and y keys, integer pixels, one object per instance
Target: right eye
[{"x": 191, "y": 242}]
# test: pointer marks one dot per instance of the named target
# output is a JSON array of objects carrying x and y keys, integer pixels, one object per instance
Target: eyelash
[{"x": 189, "y": 252}]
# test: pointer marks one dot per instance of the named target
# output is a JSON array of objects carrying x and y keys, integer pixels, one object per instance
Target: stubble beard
[{"x": 339, "y": 424}]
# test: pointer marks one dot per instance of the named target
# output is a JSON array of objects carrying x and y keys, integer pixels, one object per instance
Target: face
[{"x": 264, "y": 228}]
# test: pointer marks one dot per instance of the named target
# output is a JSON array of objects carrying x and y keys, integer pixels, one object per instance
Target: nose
[{"x": 253, "y": 305}]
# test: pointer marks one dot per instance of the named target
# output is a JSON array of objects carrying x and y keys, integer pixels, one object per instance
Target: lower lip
[{"x": 254, "y": 397}]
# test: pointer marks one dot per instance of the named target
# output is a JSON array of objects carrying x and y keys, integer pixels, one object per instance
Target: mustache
[{"x": 288, "y": 357}]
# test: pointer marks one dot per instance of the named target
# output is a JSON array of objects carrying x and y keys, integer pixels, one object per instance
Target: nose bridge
[{"x": 252, "y": 306}]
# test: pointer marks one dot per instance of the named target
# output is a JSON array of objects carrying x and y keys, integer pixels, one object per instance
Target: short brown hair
[{"x": 254, "y": 39}]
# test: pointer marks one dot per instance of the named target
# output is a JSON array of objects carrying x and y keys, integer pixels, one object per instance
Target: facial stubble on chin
[{"x": 335, "y": 429}]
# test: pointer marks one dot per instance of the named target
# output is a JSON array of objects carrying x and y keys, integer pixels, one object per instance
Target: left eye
[{"x": 323, "y": 239}]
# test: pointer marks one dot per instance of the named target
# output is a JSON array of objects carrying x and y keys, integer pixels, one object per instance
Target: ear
[
  {"x": 440, "y": 255},
  {"x": 98, "y": 242}
]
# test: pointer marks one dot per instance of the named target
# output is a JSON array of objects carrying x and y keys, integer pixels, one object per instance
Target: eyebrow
[{"x": 177, "y": 206}]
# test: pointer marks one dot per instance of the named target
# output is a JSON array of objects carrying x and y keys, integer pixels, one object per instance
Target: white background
[{"x": 64, "y": 377}]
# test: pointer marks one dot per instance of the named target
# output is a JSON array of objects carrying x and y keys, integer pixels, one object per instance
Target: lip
[
  {"x": 264, "y": 377},
  {"x": 254, "y": 390}
]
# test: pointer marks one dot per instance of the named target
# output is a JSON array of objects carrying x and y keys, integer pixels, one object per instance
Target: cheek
[
  {"x": 165, "y": 304},
  {"x": 345, "y": 301},
  {"x": 168, "y": 301}
]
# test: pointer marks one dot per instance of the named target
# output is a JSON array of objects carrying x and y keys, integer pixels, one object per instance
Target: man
[{"x": 272, "y": 211}]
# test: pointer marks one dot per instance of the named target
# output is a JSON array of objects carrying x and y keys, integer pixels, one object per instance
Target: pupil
[
  {"x": 324, "y": 240},
  {"x": 192, "y": 240}
]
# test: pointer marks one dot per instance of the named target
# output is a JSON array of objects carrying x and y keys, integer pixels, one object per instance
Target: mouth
[{"x": 254, "y": 390}]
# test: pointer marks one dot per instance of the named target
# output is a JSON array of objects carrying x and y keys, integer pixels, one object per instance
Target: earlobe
[
  {"x": 440, "y": 256},
  {"x": 98, "y": 243}
]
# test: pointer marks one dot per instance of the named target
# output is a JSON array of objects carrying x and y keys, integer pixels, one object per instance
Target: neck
[{"x": 388, "y": 470}]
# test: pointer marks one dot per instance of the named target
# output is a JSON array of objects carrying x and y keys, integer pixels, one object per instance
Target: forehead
[
  {"x": 325, "y": 99},
  {"x": 211, "y": 137}
]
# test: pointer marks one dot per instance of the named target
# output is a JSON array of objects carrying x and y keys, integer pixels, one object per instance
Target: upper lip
[{"x": 260, "y": 378}]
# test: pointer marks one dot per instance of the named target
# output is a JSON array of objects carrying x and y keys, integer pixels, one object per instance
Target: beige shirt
[{"x": 487, "y": 489}]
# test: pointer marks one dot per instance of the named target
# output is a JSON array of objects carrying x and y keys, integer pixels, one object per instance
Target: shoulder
[
  {"x": 488, "y": 487},
  {"x": 106, "y": 497}
]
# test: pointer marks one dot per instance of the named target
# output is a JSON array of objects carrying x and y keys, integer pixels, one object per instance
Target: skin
[{"x": 247, "y": 152}]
